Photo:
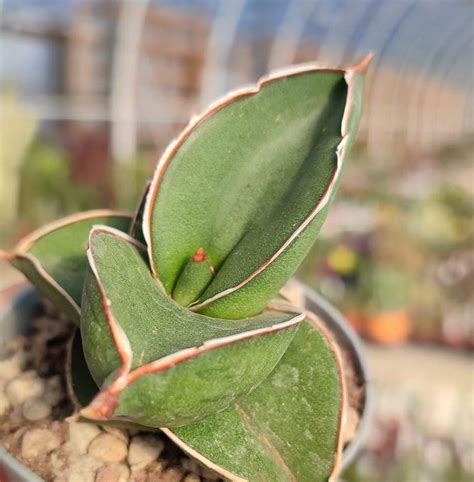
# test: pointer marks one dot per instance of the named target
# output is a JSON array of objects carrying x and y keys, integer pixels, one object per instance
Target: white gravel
[
  {"x": 39, "y": 441},
  {"x": 81, "y": 435},
  {"x": 108, "y": 449},
  {"x": 143, "y": 450},
  {"x": 36, "y": 409},
  {"x": 23, "y": 387}
]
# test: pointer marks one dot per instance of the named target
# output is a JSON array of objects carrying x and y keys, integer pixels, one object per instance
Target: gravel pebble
[
  {"x": 59, "y": 460},
  {"x": 209, "y": 474},
  {"x": 154, "y": 471},
  {"x": 141, "y": 476},
  {"x": 4, "y": 404},
  {"x": 144, "y": 450},
  {"x": 83, "y": 469},
  {"x": 190, "y": 465},
  {"x": 54, "y": 392},
  {"x": 11, "y": 367},
  {"x": 39, "y": 441},
  {"x": 27, "y": 385},
  {"x": 108, "y": 449},
  {"x": 113, "y": 473},
  {"x": 192, "y": 478},
  {"x": 36, "y": 409},
  {"x": 81, "y": 435},
  {"x": 172, "y": 475},
  {"x": 116, "y": 432}
]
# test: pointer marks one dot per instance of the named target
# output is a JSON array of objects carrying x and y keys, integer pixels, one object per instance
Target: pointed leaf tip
[
  {"x": 53, "y": 257},
  {"x": 250, "y": 180},
  {"x": 363, "y": 64}
]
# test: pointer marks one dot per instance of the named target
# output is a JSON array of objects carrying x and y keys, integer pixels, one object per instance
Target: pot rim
[{"x": 15, "y": 319}]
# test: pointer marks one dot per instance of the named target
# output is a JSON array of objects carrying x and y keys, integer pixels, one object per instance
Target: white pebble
[
  {"x": 83, "y": 469},
  {"x": 81, "y": 435},
  {"x": 39, "y": 441},
  {"x": 173, "y": 474},
  {"x": 11, "y": 367},
  {"x": 108, "y": 449},
  {"x": 27, "y": 385},
  {"x": 4, "y": 404},
  {"x": 35, "y": 409},
  {"x": 144, "y": 450},
  {"x": 116, "y": 432},
  {"x": 209, "y": 474},
  {"x": 54, "y": 392},
  {"x": 192, "y": 478},
  {"x": 113, "y": 473}
]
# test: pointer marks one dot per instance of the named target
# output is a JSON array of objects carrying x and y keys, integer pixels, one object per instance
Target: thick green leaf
[
  {"x": 250, "y": 181},
  {"x": 53, "y": 258},
  {"x": 288, "y": 429},
  {"x": 136, "y": 228},
  {"x": 171, "y": 366},
  {"x": 81, "y": 386},
  {"x": 193, "y": 280}
]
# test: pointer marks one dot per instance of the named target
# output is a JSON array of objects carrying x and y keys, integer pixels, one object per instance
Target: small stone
[
  {"x": 190, "y": 465},
  {"x": 35, "y": 409},
  {"x": 155, "y": 470},
  {"x": 116, "y": 432},
  {"x": 59, "y": 460},
  {"x": 108, "y": 449},
  {"x": 83, "y": 469},
  {"x": 172, "y": 475},
  {"x": 16, "y": 344},
  {"x": 4, "y": 404},
  {"x": 54, "y": 392},
  {"x": 113, "y": 473},
  {"x": 81, "y": 435},
  {"x": 11, "y": 367},
  {"x": 143, "y": 450},
  {"x": 192, "y": 478},
  {"x": 39, "y": 441},
  {"x": 141, "y": 476},
  {"x": 209, "y": 474},
  {"x": 27, "y": 385}
]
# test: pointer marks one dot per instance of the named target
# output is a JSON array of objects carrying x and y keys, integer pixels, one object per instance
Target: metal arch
[
  {"x": 414, "y": 94},
  {"x": 365, "y": 19},
  {"x": 398, "y": 92},
  {"x": 220, "y": 43},
  {"x": 398, "y": 25},
  {"x": 443, "y": 48},
  {"x": 286, "y": 41},
  {"x": 378, "y": 60},
  {"x": 126, "y": 54},
  {"x": 332, "y": 47}
]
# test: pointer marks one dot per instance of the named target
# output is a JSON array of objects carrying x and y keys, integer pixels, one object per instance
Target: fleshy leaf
[
  {"x": 53, "y": 258},
  {"x": 194, "y": 279},
  {"x": 288, "y": 429},
  {"x": 250, "y": 181},
  {"x": 158, "y": 363},
  {"x": 136, "y": 227},
  {"x": 81, "y": 386}
]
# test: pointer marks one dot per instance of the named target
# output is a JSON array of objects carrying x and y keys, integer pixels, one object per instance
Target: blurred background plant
[{"x": 91, "y": 91}]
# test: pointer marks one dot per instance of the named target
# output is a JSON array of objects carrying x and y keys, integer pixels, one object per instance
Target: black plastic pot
[{"x": 15, "y": 319}]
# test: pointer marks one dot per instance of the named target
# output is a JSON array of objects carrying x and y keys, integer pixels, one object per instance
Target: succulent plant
[{"x": 180, "y": 324}]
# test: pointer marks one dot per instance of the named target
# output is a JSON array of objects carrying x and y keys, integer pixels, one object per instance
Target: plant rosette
[{"x": 181, "y": 323}]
